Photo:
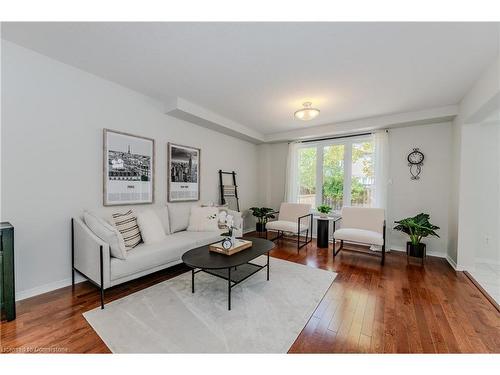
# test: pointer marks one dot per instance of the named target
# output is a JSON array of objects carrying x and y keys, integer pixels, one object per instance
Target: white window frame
[{"x": 347, "y": 142}]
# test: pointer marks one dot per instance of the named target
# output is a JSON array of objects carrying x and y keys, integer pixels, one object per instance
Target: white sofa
[{"x": 92, "y": 258}]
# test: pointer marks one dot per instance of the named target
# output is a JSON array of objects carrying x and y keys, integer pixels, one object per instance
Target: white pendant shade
[{"x": 307, "y": 113}]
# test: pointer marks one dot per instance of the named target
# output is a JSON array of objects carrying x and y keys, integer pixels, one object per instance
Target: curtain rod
[{"x": 338, "y": 137}]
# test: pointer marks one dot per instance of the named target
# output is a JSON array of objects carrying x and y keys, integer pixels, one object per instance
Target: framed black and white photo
[
  {"x": 183, "y": 173},
  {"x": 128, "y": 169}
]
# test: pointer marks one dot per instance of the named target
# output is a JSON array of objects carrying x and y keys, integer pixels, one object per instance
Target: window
[
  {"x": 362, "y": 174},
  {"x": 307, "y": 157},
  {"x": 333, "y": 176},
  {"x": 336, "y": 173}
]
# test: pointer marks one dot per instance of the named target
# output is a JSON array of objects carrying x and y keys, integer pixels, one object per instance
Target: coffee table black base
[{"x": 233, "y": 275}]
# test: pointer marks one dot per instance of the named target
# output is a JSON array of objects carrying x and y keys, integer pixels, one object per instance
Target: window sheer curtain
[
  {"x": 381, "y": 156},
  {"x": 382, "y": 179},
  {"x": 292, "y": 181}
]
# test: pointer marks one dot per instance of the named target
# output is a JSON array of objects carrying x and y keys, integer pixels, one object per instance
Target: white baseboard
[
  {"x": 23, "y": 294},
  {"x": 450, "y": 261},
  {"x": 431, "y": 253},
  {"x": 453, "y": 264}
]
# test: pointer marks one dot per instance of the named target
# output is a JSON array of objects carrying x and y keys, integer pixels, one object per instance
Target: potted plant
[
  {"x": 263, "y": 214},
  {"x": 324, "y": 210},
  {"x": 416, "y": 228}
]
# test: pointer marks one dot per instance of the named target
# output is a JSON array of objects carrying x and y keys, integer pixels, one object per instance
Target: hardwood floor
[{"x": 368, "y": 309}]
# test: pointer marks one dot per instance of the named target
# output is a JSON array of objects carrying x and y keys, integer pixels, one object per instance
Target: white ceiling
[{"x": 258, "y": 74}]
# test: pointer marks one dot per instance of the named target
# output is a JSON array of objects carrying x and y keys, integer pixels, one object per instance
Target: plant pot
[
  {"x": 260, "y": 227},
  {"x": 324, "y": 216},
  {"x": 416, "y": 251}
]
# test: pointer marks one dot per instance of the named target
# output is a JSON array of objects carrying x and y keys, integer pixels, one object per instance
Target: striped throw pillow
[{"x": 127, "y": 225}]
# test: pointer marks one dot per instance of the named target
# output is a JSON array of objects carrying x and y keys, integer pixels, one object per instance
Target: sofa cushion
[
  {"x": 200, "y": 238},
  {"x": 178, "y": 215},
  {"x": 359, "y": 235},
  {"x": 150, "y": 226},
  {"x": 203, "y": 219},
  {"x": 144, "y": 256},
  {"x": 106, "y": 232},
  {"x": 286, "y": 226},
  {"x": 126, "y": 223}
]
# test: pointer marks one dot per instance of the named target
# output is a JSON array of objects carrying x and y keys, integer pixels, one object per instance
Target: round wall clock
[{"x": 415, "y": 162}]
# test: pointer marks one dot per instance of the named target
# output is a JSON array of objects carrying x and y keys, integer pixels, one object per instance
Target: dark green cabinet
[{"x": 7, "y": 289}]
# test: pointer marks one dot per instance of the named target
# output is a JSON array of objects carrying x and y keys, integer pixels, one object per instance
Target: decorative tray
[{"x": 237, "y": 247}]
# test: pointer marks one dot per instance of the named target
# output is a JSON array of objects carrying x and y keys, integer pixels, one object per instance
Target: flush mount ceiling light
[{"x": 307, "y": 113}]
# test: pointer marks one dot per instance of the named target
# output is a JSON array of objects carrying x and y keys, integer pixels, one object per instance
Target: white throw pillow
[
  {"x": 203, "y": 219},
  {"x": 151, "y": 227},
  {"x": 178, "y": 215},
  {"x": 106, "y": 232}
]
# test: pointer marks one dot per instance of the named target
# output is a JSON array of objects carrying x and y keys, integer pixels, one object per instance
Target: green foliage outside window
[
  {"x": 307, "y": 170},
  {"x": 333, "y": 172}
]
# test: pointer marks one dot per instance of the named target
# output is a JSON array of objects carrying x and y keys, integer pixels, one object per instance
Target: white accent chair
[
  {"x": 295, "y": 218},
  {"x": 361, "y": 225}
]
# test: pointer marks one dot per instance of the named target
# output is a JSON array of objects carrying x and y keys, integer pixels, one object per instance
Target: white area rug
[{"x": 265, "y": 316}]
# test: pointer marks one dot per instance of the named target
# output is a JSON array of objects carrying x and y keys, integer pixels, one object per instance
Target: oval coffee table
[{"x": 233, "y": 268}]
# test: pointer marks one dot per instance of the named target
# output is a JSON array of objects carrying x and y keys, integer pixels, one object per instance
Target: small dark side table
[{"x": 322, "y": 229}]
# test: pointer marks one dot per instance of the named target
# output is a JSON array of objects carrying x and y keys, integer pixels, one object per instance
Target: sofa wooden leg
[{"x": 102, "y": 299}]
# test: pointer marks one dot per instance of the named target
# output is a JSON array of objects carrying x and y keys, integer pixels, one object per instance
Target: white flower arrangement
[{"x": 227, "y": 221}]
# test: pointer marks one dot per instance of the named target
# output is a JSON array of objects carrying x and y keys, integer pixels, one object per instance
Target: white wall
[
  {"x": 430, "y": 193},
  {"x": 272, "y": 162},
  {"x": 476, "y": 168},
  {"x": 52, "y": 121},
  {"x": 456, "y": 139},
  {"x": 480, "y": 193},
  {"x": 406, "y": 197}
]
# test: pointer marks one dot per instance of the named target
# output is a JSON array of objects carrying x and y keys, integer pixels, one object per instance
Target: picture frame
[
  {"x": 128, "y": 168},
  {"x": 183, "y": 173}
]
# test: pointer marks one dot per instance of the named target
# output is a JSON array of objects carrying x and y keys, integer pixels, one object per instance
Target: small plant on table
[{"x": 324, "y": 210}]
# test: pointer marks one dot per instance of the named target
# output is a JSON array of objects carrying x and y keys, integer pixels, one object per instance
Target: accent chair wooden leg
[
  {"x": 383, "y": 254},
  {"x": 335, "y": 252}
]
